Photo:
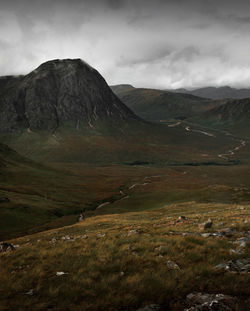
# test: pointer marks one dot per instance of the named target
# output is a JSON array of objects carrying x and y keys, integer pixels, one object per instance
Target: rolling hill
[
  {"x": 159, "y": 105},
  {"x": 234, "y": 116}
]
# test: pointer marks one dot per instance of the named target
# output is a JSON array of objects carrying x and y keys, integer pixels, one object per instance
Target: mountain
[
  {"x": 158, "y": 105},
  {"x": 59, "y": 92},
  {"x": 217, "y": 92},
  {"x": 64, "y": 111}
]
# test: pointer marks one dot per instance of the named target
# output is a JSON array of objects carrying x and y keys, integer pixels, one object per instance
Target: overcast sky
[{"x": 157, "y": 43}]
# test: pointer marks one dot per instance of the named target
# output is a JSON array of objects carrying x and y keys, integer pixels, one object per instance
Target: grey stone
[
  {"x": 152, "y": 307},
  {"x": 172, "y": 265},
  {"x": 210, "y": 302},
  {"x": 6, "y": 247}
]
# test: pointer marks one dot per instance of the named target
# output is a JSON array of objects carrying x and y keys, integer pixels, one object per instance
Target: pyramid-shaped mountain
[{"x": 57, "y": 93}]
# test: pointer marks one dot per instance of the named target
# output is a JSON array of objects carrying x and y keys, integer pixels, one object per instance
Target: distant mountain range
[
  {"x": 216, "y": 92},
  {"x": 159, "y": 105}
]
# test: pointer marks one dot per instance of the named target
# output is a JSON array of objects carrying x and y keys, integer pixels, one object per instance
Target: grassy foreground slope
[{"x": 123, "y": 262}]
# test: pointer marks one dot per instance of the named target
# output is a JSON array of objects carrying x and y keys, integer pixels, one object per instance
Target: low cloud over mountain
[{"x": 162, "y": 44}]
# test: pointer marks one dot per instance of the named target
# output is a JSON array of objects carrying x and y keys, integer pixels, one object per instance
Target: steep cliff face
[{"x": 59, "y": 92}]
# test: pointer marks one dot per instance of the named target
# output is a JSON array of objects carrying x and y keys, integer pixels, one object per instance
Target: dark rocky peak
[{"x": 60, "y": 92}]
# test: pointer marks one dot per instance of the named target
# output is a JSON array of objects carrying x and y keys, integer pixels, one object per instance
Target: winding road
[{"x": 227, "y": 154}]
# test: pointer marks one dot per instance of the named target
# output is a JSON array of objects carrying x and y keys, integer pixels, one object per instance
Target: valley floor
[{"x": 40, "y": 200}]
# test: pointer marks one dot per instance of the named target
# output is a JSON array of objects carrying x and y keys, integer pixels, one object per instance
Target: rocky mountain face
[
  {"x": 217, "y": 92},
  {"x": 59, "y": 92}
]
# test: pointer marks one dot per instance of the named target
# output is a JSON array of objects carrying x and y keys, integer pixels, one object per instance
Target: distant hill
[
  {"x": 232, "y": 111},
  {"x": 157, "y": 105},
  {"x": 233, "y": 115},
  {"x": 217, "y": 92},
  {"x": 119, "y": 88}
]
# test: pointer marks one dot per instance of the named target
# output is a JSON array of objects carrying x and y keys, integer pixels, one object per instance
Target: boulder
[
  {"x": 206, "y": 225},
  {"x": 172, "y": 265},
  {"x": 5, "y": 247}
]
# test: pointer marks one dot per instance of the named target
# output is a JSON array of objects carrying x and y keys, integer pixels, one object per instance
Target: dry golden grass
[{"x": 119, "y": 262}]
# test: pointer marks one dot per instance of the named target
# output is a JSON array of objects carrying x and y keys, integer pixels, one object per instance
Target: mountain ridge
[
  {"x": 157, "y": 105},
  {"x": 216, "y": 92}
]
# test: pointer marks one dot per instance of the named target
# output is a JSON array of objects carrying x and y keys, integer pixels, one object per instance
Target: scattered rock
[
  {"x": 66, "y": 237},
  {"x": 60, "y": 273},
  {"x": 239, "y": 265},
  {"x": 242, "y": 242},
  {"x": 152, "y": 307},
  {"x": 85, "y": 236},
  {"x": 81, "y": 217},
  {"x": 101, "y": 235},
  {"x": 206, "y": 235},
  {"x": 210, "y": 302},
  {"x": 132, "y": 232},
  {"x": 53, "y": 241},
  {"x": 228, "y": 232},
  {"x": 30, "y": 292},
  {"x": 235, "y": 251},
  {"x": 158, "y": 249},
  {"x": 6, "y": 247},
  {"x": 172, "y": 265},
  {"x": 181, "y": 218}
]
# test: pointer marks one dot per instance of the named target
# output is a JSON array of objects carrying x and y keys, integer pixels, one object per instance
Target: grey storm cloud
[{"x": 162, "y": 44}]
